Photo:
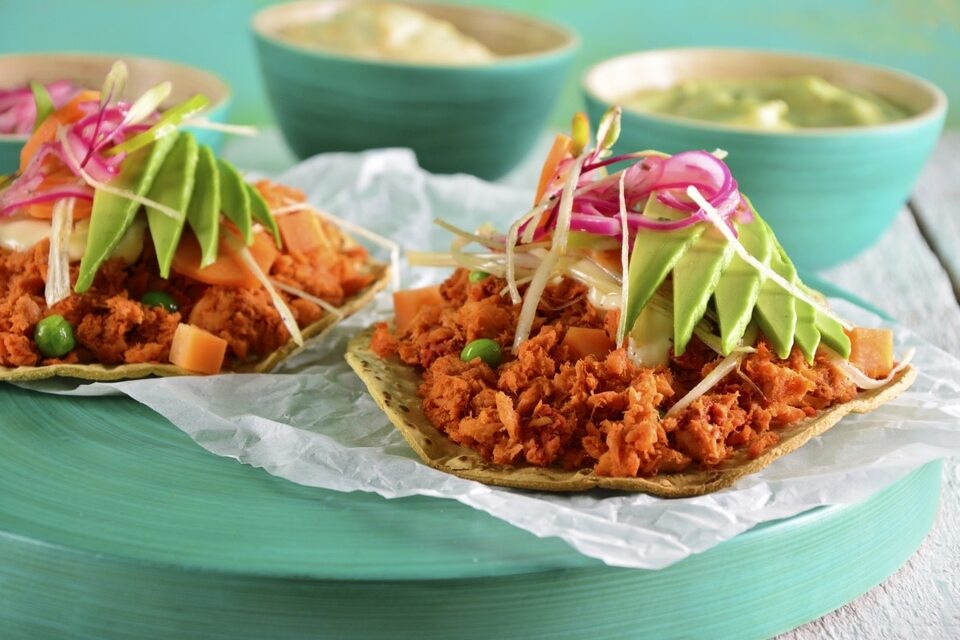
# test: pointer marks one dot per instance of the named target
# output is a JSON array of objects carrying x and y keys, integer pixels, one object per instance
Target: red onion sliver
[
  {"x": 79, "y": 193},
  {"x": 598, "y": 225}
]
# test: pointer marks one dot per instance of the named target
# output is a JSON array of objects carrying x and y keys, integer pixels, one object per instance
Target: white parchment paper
[{"x": 312, "y": 422}]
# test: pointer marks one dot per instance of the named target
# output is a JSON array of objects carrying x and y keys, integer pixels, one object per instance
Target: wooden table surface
[{"x": 912, "y": 273}]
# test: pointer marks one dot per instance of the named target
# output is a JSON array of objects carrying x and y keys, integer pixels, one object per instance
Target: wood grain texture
[
  {"x": 903, "y": 276},
  {"x": 936, "y": 203}
]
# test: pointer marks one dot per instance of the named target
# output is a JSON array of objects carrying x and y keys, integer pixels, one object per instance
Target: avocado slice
[
  {"x": 833, "y": 335},
  {"x": 695, "y": 278},
  {"x": 808, "y": 336},
  {"x": 235, "y": 200},
  {"x": 652, "y": 336},
  {"x": 584, "y": 240},
  {"x": 655, "y": 253},
  {"x": 113, "y": 214},
  {"x": 261, "y": 213},
  {"x": 203, "y": 212},
  {"x": 776, "y": 307},
  {"x": 735, "y": 296},
  {"x": 172, "y": 187}
]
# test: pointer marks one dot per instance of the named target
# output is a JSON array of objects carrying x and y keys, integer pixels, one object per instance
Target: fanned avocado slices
[
  {"x": 261, "y": 212},
  {"x": 235, "y": 200},
  {"x": 113, "y": 214},
  {"x": 655, "y": 253},
  {"x": 177, "y": 172},
  {"x": 172, "y": 187},
  {"x": 203, "y": 212},
  {"x": 695, "y": 278},
  {"x": 704, "y": 264}
]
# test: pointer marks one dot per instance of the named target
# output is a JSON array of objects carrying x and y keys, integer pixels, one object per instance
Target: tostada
[
  {"x": 128, "y": 249},
  {"x": 640, "y": 329}
]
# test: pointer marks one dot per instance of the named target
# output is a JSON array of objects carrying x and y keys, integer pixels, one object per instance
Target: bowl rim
[
  {"x": 936, "y": 110},
  {"x": 570, "y": 38},
  {"x": 221, "y": 84}
]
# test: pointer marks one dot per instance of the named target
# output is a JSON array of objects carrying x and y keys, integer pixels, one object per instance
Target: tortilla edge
[{"x": 420, "y": 433}]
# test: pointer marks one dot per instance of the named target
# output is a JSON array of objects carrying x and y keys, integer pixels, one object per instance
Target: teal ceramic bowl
[
  {"x": 478, "y": 119},
  {"x": 89, "y": 70},
  {"x": 829, "y": 193}
]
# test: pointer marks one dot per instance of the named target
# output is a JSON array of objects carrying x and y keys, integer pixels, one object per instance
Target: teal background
[{"x": 921, "y": 36}]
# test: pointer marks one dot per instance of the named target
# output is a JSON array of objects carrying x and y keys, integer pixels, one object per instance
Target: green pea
[
  {"x": 477, "y": 276},
  {"x": 54, "y": 337},
  {"x": 483, "y": 348},
  {"x": 160, "y": 299}
]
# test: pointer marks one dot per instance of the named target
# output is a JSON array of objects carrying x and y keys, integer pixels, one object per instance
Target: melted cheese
[{"x": 20, "y": 235}]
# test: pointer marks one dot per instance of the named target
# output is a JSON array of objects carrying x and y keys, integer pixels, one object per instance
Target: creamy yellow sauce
[
  {"x": 390, "y": 32},
  {"x": 768, "y": 103}
]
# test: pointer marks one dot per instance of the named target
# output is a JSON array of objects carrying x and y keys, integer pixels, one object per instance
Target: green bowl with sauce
[
  {"x": 828, "y": 191},
  {"x": 480, "y": 119},
  {"x": 89, "y": 70}
]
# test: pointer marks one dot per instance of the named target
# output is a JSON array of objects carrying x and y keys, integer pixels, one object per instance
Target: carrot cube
[
  {"x": 301, "y": 231},
  {"x": 197, "y": 350},
  {"x": 584, "y": 342},
  {"x": 407, "y": 303},
  {"x": 871, "y": 350}
]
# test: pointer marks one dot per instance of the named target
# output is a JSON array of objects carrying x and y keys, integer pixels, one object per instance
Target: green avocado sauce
[{"x": 769, "y": 103}]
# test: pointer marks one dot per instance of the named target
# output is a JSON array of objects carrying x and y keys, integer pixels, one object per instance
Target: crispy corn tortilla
[
  {"x": 103, "y": 373},
  {"x": 394, "y": 387}
]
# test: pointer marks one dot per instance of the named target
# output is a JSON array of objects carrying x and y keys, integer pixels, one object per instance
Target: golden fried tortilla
[
  {"x": 102, "y": 373},
  {"x": 394, "y": 387}
]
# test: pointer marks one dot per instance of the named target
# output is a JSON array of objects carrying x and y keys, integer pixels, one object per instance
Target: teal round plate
[{"x": 114, "y": 524}]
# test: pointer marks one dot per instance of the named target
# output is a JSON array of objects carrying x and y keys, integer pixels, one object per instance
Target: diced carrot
[
  {"x": 871, "y": 351},
  {"x": 558, "y": 152},
  {"x": 407, "y": 303},
  {"x": 197, "y": 350},
  {"x": 47, "y": 131},
  {"x": 301, "y": 231},
  {"x": 229, "y": 269},
  {"x": 584, "y": 342}
]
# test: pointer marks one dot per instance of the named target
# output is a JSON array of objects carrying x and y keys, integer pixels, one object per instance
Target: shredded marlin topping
[{"x": 561, "y": 400}]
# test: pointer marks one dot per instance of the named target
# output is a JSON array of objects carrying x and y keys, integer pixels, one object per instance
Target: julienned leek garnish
[
  {"x": 57, "y": 286},
  {"x": 678, "y": 227}
]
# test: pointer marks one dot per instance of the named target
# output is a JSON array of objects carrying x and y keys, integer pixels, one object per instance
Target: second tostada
[
  {"x": 127, "y": 249},
  {"x": 637, "y": 330}
]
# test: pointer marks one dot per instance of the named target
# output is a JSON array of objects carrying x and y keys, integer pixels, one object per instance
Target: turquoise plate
[{"x": 114, "y": 524}]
